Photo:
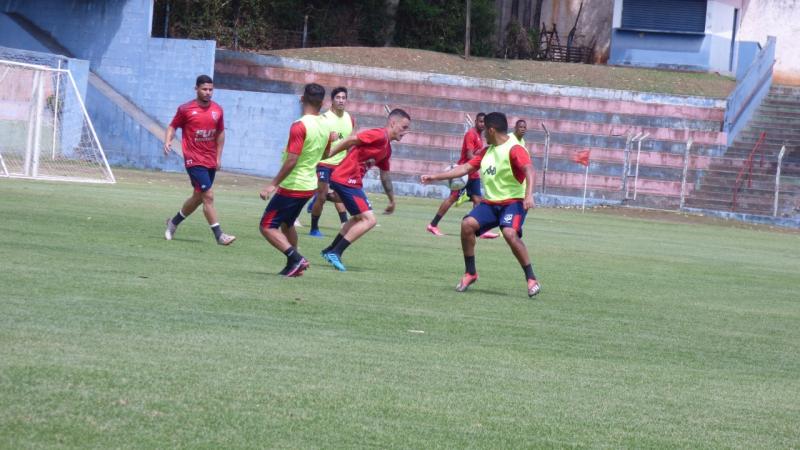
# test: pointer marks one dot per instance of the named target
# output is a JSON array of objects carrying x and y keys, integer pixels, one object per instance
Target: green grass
[{"x": 647, "y": 333}]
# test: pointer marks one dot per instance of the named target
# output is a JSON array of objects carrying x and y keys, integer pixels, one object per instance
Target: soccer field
[{"x": 647, "y": 333}]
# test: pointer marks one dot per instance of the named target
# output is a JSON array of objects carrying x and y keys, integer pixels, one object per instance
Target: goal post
[{"x": 45, "y": 128}]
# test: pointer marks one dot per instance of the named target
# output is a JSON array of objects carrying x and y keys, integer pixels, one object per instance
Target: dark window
[{"x": 675, "y": 16}]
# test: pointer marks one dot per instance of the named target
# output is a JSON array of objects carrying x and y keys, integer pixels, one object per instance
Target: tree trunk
[{"x": 391, "y": 13}]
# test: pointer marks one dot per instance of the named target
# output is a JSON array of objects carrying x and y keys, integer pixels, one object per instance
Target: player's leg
[
  {"x": 323, "y": 175},
  {"x": 511, "y": 223},
  {"x": 206, "y": 179},
  {"x": 277, "y": 227},
  {"x": 473, "y": 189},
  {"x": 361, "y": 221},
  {"x": 481, "y": 218},
  {"x": 433, "y": 226}
]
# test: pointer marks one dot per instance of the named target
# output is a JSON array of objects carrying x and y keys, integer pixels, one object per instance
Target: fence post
[
  {"x": 685, "y": 172},
  {"x": 305, "y": 31},
  {"x": 626, "y": 163},
  {"x": 778, "y": 181},
  {"x": 546, "y": 158},
  {"x": 638, "y": 155}
]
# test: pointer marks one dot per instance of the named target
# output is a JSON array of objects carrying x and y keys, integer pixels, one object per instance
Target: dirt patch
[{"x": 584, "y": 75}]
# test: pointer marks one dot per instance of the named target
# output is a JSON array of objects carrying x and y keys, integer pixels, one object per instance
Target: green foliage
[
  {"x": 272, "y": 24},
  {"x": 648, "y": 334},
  {"x": 439, "y": 25}
]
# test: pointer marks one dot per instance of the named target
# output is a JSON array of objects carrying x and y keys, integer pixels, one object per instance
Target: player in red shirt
[
  {"x": 203, "y": 137},
  {"x": 508, "y": 177},
  {"x": 470, "y": 146},
  {"x": 367, "y": 148}
]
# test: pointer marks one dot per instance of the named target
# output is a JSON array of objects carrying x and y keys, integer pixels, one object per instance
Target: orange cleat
[{"x": 466, "y": 281}]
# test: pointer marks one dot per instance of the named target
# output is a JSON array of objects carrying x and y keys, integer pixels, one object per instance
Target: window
[{"x": 671, "y": 16}]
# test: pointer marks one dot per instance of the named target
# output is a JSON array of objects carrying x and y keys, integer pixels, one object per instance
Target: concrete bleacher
[{"x": 577, "y": 119}]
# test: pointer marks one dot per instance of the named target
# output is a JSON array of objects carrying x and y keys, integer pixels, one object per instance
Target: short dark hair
[
  {"x": 397, "y": 112},
  {"x": 203, "y": 79},
  {"x": 496, "y": 120},
  {"x": 479, "y": 115},
  {"x": 520, "y": 121},
  {"x": 337, "y": 90},
  {"x": 313, "y": 94}
]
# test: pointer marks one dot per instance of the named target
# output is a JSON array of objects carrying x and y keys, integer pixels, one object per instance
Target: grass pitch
[{"x": 646, "y": 334}]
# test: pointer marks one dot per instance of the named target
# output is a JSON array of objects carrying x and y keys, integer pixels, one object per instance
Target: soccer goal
[{"x": 45, "y": 131}]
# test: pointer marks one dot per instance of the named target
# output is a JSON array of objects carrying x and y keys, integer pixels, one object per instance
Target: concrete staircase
[
  {"x": 577, "y": 118},
  {"x": 778, "y": 119}
]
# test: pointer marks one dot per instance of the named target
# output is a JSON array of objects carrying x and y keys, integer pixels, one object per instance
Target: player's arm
[
  {"x": 455, "y": 172},
  {"x": 386, "y": 182},
  {"x": 220, "y": 145},
  {"x": 168, "y": 139},
  {"x": 521, "y": 163},
  {"x": 530, "y": 180},
  {"x": 297, "y": 137},
  {"x": 345, "y": 144}
]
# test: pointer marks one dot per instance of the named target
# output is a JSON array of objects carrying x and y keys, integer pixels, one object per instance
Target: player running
[
  {"x": 203, "y": 136},
  {"x": 296, "y": 180},
  {"x": 366, "y": 148},
  {"x": 470, "y": 146},
  {"x": 342, "y": 124},
  {"x": 508, "y": 176}
]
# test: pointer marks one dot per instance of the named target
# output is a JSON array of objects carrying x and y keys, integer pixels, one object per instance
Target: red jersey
[
  {"x": 200, "y": 126},
  {"x": 374, "y": 149},
  {"x": 474, "y": 143}
]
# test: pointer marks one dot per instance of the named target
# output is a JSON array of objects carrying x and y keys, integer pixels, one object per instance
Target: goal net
[{"x": 45, "y": 131}]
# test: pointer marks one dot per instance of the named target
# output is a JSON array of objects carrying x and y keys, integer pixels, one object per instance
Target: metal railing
[{"x": 748, "y": 167}]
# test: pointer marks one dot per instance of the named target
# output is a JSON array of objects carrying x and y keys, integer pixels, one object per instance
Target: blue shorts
[
  {"x": 504, "y": 216},
  {"x": 354, "y": 199},
  {"x": 201, "y": 177},
  {"x": 472, "y": 188},
  {"x": 324, "y": 174},
  {"x": 282, "y": 209}
]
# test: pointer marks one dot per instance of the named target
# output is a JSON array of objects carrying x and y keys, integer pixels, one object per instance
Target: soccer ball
[{"x": 456, "y": 184}]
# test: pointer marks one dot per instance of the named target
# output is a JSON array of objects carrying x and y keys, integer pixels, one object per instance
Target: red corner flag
[{"x": 582, "y": 157}]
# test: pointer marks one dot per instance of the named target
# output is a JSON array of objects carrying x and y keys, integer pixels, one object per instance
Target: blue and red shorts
[
  {"x": 324, "y": 173},
  {"x": 472, "y": 188},
  {"x": 354, "y": 199},
  {"x": 489, "y": 216},
  {"x": 282, "y": 209},
  {"x": 202, "y": 178}
]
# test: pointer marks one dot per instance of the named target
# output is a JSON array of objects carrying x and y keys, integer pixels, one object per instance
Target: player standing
[
  {"x": 342, "y": 124},
  {"x": 296, "y": 180},
  {"x": 366, "y": 148},
  {"x": 508, "y": 177},
  {"x": 470, "y": 146},
  {"x": 203, "y": 136},
  {"x": 520, "y": 128}
]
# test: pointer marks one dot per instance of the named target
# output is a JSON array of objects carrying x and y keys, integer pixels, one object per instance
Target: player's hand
[
  {"x": 333, "y": 136},
  {"x": 425, "y": 179},
  {"x": 389, "y": 209},
  {"x": 267, "y": 191},
  {"x": 167, "y": 148},
  {"x": 219, "y": 164},
  {"x": 528, "y": 203}
]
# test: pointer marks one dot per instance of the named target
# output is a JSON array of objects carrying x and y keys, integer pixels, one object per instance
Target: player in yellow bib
[
  {"x": 296, "y": 180},
  {"x": 520, "y": 128},
  {"x": 508, "y": 179},
  {"x": 341, "y": 124}
]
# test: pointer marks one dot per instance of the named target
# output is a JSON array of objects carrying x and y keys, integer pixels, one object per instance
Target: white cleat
[
  {"x": 169, "y": 233},
  {"x": 225, "y": 239}
]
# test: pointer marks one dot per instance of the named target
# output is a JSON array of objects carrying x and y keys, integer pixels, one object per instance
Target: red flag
[{"x": 581, "y": 157}]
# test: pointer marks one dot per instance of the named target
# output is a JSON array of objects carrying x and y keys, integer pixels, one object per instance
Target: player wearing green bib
[
  {"x": 341, "y": 125},
  {"x": 296, "y": 180},
  {"x": 520, "y": 128},
  {"x": 508, "y": 179}
]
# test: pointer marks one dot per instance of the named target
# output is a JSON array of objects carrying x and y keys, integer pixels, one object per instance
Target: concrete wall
[
  {"x": 114, "y": 36},
  {"x": 708, "y": 52},
  {"x": 778, "y": 18}
]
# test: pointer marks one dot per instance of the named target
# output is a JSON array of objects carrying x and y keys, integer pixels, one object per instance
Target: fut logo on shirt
[
  {"x": 491, "y": 170},
  {"x": 204, "y": 135}
]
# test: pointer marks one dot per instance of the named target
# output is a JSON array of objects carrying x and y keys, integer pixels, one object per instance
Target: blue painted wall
[
  {"x": 661, "y": 50},
  {"x": 114, "y": 36}
]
